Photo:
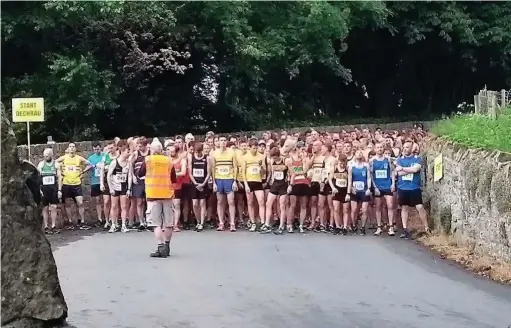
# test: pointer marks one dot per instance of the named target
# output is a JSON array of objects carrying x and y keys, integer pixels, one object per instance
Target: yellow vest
[
  {"x": 253, "y": 167},
  {"x": 239, "y": 160},
  {"x": 71, "y": 170},
  {"x": 223, "y": 164},
  {"x": 158, "y": 184}
]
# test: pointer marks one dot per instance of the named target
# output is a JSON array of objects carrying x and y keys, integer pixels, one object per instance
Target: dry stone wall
[
  {"x": 473, "y": 200},
  {"x": 84, "y": 148}
]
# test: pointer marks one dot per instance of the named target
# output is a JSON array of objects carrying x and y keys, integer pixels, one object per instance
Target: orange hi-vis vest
[{"x": 158, "y": 184}]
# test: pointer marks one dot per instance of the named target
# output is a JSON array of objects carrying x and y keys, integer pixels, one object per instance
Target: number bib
[
  {"x": 358, "y": 185},
  {"x": 324, "y": 174},
  {"x": 279, "y": 175},
  {"x": 121, "y": 177},
  {"x": 380, "y": 174},
  {"x": 71, "y": 169},
  {"x": 254, "y": 170},
  {"x": 97, "y": 171},
  {"x": 223, "y": 170},
  {"x": 407, "y": 177},
  {"x": 198, "y": 173},
  {"x": 48, "y": 180},
  {"x": 341, "y": 183}
]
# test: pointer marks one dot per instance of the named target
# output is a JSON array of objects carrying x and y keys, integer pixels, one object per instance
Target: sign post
[{"x": 28, "y": 110}]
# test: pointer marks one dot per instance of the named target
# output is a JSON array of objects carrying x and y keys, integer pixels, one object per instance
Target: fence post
[
  {"x": 503, "y": 100},
  {"x": 493, "y": 105},
  {"x": 476, "y": 104}
]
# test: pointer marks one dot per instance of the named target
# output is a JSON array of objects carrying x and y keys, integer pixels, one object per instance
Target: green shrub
[{"x": 478, "y": 131}]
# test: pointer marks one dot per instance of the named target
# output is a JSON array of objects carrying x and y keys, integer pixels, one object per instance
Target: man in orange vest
[{"x": 159, "y": 179}]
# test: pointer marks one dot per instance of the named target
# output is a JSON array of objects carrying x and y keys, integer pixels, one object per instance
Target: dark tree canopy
[{"x": 123, "y": 68}]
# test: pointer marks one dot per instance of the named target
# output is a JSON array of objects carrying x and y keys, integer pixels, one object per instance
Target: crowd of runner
[{"x": 312, "y": 181}]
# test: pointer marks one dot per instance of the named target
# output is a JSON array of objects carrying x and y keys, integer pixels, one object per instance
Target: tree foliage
[{"x": 108, "y": 68}]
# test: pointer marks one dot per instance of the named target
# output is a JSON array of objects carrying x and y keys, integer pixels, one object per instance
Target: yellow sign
[
  {"x": 438, "y": 172},
  {"x": 28, "y": 109}
]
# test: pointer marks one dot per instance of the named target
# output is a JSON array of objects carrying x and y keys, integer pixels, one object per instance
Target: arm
[
  {"x": 39, "y": 169},
  {"x": 369, "y": 180},
  {"x": 60, "y": 159},
  {"x": 371, "y": 173},
  {"x": 331, "y": 174},
  {"x": 234, "y": 166},
  {"x": 182, "y": 171},
  {"x": 189, "y": 168},
  {"x": 102, "y": 174},
  {"x": 130, "y": 176},
  {"x": 208, "y": 172},
  {"x": 290, "y": 171},
  {"x": 60, "y": 177},
  {"x": 212, "y": 165},
  {"x": 173, "y": 175},
  {"x": 412, "y": 169},
  {"x": 350, "y": 179},
  {"x": 109, "y": 174},
  {"x": 85, "y": 163}
]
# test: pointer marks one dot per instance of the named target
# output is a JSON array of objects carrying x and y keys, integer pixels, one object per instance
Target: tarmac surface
[{"x": 247, "y": 280}]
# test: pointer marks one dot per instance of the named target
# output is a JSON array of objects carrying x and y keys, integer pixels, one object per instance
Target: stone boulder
[
  {"x": 473, "y": 199},
  {"x": 31, "y": 293}
]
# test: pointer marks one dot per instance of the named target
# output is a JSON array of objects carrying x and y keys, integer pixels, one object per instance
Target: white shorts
[{"x": 160, "y": 213}]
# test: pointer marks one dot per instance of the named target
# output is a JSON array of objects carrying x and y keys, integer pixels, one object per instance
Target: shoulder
[{"x": 40, "y": 165}]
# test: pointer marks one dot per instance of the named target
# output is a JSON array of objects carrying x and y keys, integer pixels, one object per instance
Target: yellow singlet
[
  {"x": 239, "y": 160},
  {"x": 223, "y": 164},
  {"x": 253, "y": 167},
  {"x": 71, "y": 170}
]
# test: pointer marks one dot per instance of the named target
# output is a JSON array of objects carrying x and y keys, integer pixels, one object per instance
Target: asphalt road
[{"x": 247, "y": 280}]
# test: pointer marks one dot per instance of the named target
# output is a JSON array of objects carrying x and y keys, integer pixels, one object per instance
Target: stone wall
[
  {"x": 84, "y": 148},
  {"x": 473, "y": 200}
]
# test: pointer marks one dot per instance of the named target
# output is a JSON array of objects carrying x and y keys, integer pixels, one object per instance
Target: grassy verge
[
  {"x": 477, "y": 131},
  {"x": 486, "y": 266}
]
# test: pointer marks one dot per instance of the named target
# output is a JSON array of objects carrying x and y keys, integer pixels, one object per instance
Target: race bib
[
  {"x": 198, "y": 173},
  {"x": 97, "y": 171},
  {"x": 324, "y": 174},
  {"x": 317, "y": 171},
  {"x": 358, "y": 185},
  {"x": 121, "y": 178},
  {"x": 254, "y": 170},
  {"x": 279, "y": 175},
  {"x": 223, "y": 170},
  {"x": 380, "y": 174},
  {"x": 71, "y": 168},
  {"x": 407, "y": 177},
  {"x": 341, "y": 183},
  {"x": 48, "y": 180}
]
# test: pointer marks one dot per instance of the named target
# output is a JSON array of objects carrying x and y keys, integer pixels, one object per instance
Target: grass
[
  {"x": 477, "y": 131},
  {"x": 482, "y": 265}
]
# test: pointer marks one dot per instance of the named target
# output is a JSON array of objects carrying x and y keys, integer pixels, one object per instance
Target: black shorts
[
  {"x": 106, "y": 192},
  {"x": 279, "y": 188},
  {"x": 300, "y": 190},
  {"x": 138, "y": 189},
  {"x": 314, "y": 189},
  {"x": 326, "y": 190},
  {"x": 187, "y": 190},
  {"x": 360, "y": 197},
  {"x": 95, "y": 190},
  {"x": 50, "y": 196},
  {"x": 382, "y": 193},
  {"x": 341, "y": 195},
  {"x": 71, "y": 192},
  {"x": 265, "y": 185},
  {"x": 122, "y": 192},
  {"x": 241, "y": 187},
  {"x": 255, "y": 186},
  {"x": 410, "y": 198},
  {"x": 197, "y": 194}
]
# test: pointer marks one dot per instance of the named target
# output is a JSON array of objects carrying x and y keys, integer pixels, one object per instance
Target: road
[{"x": 244, "y": 280}]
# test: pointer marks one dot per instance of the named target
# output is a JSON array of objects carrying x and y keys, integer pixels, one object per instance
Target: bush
[{"x": 478, "y": 131}]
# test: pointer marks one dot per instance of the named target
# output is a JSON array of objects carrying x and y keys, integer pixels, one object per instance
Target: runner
[
  {"x": 72, "y": 167},
  {"x": 119, "y": 179},
  {"x": 200, "y": 174},
  {"x": 359, "y": 181},
  {"x": 49, "y": 190},
  {"x": 278, "y": 175},
  {"x": 253, "y": 169},
  {"x": 240, "y": 194},
  {"x": 95, "y": 184},
  {"x": 298, "y": 188},
  {"x": 408, "y": 169},
  {"x": 179, "y": 165},
  {"x": 338, "y": 181},
  {"x": 317, "y": 185},
  {"x": 110, "y": 153},
  {"x": 382, "y": 177},
  {"x": 138, "y": 192},
  {"x": 225, "y": 169},
  {"x": 159, "y": 177}
]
